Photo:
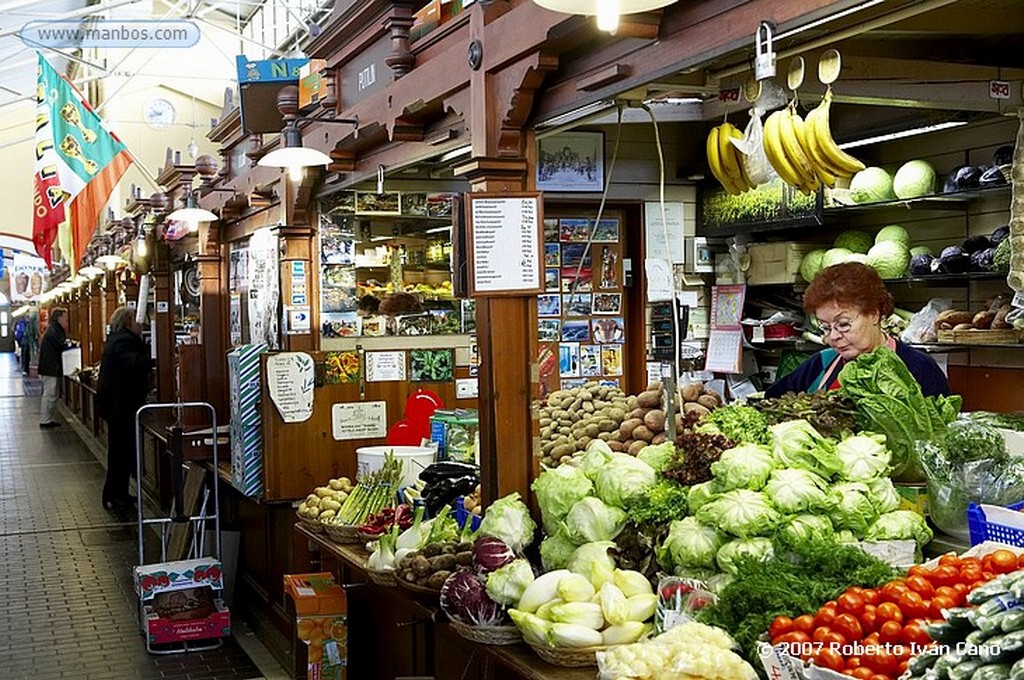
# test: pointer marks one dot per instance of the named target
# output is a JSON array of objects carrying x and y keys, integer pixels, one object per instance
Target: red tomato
[
  {"x": 871, "y": 640},
  {"x": 971, "y": 572},
  {"x": 825, "y": 616},
  {"x": 961, "y": 590},
  {"x": 869, "y": 621},
  {"x": 871, "y": 596},
  {"x": 918, "y": 570},
  {"x": 969, "y": 562},
  {"x": 780, "y": 625},
  {"x": 863, "y": 673},
  {"x": 922, "y": 586},
  {"x": 892, "y": 590},
  {"x": 793, "y": 637},
  {"x": 986, "y": 562},
  {"x": 913, "y": 605},
  {"x": 834, "y": 640},
  {"x": 819, "y": 634},
  {"x": 829, "y": 658},
  {"x": 848, "y": 626},
  {"x": 853, "y": 662},
  {"x": 945, "y": 575},
  {"x": 939, "y": 603},
  {"x": 1020, "y": 561},
  {"x": 881, "y": 676},
  {"x": 881, "y": 661},
  {"x": 850, "y": 603},
  {"x": 890, "y": 632},
  {"x": 890, "y": 611},
  {"x": 855, "y": 590},
  {"x": 948, "y": 592},
  {"x": 950, "y": 560},
  {"x": 915, "y": 636},
  {"x": 804, "y": 623}
]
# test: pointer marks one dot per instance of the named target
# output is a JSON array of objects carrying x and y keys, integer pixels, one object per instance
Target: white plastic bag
[
  {"x": 922, "y": 325},
  {"x": 755, "y": 163}
]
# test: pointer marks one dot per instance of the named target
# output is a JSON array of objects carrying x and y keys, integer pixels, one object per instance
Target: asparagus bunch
[{"x": 374, "y": 491}]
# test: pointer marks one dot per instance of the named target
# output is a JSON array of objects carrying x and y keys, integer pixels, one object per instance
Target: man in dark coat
[
  {"x": 120, "y": 392},
  {"x": 51, "y": 366}
]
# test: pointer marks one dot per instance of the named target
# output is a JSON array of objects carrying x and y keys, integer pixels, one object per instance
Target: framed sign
[
  {"x": 505, "y": 244},
  {"x": 571, "y": 161}
]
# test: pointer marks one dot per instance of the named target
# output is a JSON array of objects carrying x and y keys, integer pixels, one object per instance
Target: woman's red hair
[{"x": 849, "y": 284}]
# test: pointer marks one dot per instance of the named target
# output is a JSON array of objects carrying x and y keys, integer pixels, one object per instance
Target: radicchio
[
  {"x": 464, "y": 598},
  {"x": 490, "y": 554}
]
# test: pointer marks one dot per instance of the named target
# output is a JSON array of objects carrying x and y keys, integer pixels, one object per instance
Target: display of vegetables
[
  {"x": 325, "y": 501},
  {"x": 585, "y": 606},
  {"x": 379, "y": 523},
  {"x": 570, "y": 419},
  {"x": 691, "y": 650},
  {"x": 888, "y": 400},
  {"x": 446, "y": 481},
  {"x": 830, "y": 412},
  {"x": 372, "y": 493},
  {"x": 434, "y": 563}
]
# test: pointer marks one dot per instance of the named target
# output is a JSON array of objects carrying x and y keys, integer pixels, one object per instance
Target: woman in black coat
[{"x": 120, "y": 392}]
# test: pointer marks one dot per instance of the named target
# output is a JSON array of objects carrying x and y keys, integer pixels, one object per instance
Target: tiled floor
[{"x": 68, "y": 608}]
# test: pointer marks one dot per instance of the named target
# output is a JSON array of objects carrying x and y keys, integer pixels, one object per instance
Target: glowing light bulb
[
  {"x": 140, "y": 248},
  {"x": 608, "y": 15},
  {"x": 295, "y": 172}
]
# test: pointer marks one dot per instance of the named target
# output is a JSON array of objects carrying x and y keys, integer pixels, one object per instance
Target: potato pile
[
  {"x": 645, "y": 424},
  {"x": 570, "y": 419},
  {"x": 325, "y": 501},
  {"x": 433, "y": 564}
]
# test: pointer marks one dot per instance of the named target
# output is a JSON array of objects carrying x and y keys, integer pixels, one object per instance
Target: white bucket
[{"x": 414, "y": 459}]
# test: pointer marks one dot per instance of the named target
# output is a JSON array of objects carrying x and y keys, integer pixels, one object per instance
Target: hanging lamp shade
[
  {"x": 292, "y": 155},
  {"x": 606, "y": 11},
  {"x": 192, "y": 213}
]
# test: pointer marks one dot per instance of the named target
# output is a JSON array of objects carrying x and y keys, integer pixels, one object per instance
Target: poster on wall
[
  {"x": 290, "y": 382},
  {"x": 29, "y": 277},
  {"x": 235, "y": 319},
  {"x": 264, "y": 288}
]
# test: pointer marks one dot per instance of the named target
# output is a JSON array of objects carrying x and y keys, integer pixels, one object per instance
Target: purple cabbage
[
  {"x": 464, "y": 598},
  {"x": 490, "y": 554}
]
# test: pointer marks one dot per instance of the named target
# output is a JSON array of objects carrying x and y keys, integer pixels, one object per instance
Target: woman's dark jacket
[
  {"x": 51, "y": 346},
  {"x": 124, "y": 376}
]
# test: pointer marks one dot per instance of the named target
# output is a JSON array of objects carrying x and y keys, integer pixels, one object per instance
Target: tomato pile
[{"x": 871, "y": 633}]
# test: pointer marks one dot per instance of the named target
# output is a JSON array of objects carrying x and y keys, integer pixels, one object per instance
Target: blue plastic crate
[
  {"x": 983, "y": 530},
  {"x": 461, "y": 515}
]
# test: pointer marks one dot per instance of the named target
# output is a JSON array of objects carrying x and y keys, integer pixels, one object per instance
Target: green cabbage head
[
  {"x": 793, "y": 491},
  {"x": 558, "y": 489},
  {"x": 743, "y": 467},
  {"x": 689, "y": 544},
  {"x": 742, "y": 513},
  {"x": 622, "y": 478},
  {"x": 913, "y": 179},
  {"x": 871, "y": 185}
]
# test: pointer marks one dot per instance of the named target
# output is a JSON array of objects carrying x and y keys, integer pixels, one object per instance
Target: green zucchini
[
  {"x": 923, "y": 661},
  {"x": 965, "y": 670},
  {"x": 945, "y": 633},
  {"x": 995, "y": 587},
  {"x": 994, "y": 651},
  {"x": 1013, "y": 621},
  {"x": 946, "y": 662},
  {"x": 998, "y": 671},
  {"x": 999, "y": 603},
  {"x": 994, "y": 622},
  {"x": 978, "y": 637},
  {"x": 961, "y": 617},
  {"x": 1017, "y": 671}
]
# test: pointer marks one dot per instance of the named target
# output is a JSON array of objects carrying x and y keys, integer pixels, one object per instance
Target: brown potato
[
  {"x": 627, "y": 427},
  {"x": 691, "y": 391},
  {"x": 636, "y": 447},
  {"x": 616, "y": 446},
  {"x": 659, "y": 438},
  {"x": 649, "y": 399},
  {"x": 694, "y": 407},
  {"x": 655, "y": 420},
  {"x": 643, "y": 433},
  {"x": 707, "y": 401},
  {"x": 983, "y": 319}
]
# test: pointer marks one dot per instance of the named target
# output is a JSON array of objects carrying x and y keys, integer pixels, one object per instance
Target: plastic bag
[
  {"x": 922, "y": 325},
  {"x": 755, "y": 162},
  {"x": 678, "y": 600}
]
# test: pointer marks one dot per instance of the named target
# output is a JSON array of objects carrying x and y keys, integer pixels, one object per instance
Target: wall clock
[{"x": 158, "y": 113}]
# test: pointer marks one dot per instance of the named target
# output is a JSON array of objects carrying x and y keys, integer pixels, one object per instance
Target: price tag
[
  {"x": 162, "y": 306},
  {"x": 758, "y": 334},
  {"x": 999, "y": 89}
]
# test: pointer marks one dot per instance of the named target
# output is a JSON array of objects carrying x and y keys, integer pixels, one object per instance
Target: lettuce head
[
  {"x": 793, "y": 491},
  {"x": 863, "y": 457},
  {"x": 689, "y": 545},
  {"x": 558, "y": 489},
  {"x": 796, "y": 444},
  {"x": 622, "y": 478},
  {"x": 742, "y": 513},
  {"x": 743, "y": 467}
]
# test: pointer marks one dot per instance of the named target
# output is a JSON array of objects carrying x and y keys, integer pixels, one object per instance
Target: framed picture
[
  {"x": 607, "y": 231},
  {"x": 608, "y": 330},
  {"x": 369, "y": 203},
  {"x": 576, "y": 331},
  {"x": 549, "y": 305},
  {"x": 552, "y": 255},
  {"x": 551, "y": 280},
  {"x": 549, "y": 330},
  {"x": 575, "y": 304},
  {"x": 590, "y": 361},
  {"x": 607, "y": 303},
  {"x": 571, "y": 161}
]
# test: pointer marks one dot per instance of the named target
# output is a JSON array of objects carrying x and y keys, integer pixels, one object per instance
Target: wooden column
[
  {"x": 296, "y": 245},
  {"x": 212, "y": 305},
  {"x": 97, "y": 323},
  {"x": 506, "y": 339},
  {"x": 161, "y": 282}
]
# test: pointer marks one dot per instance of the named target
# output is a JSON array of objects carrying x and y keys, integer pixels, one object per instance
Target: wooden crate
[{"x": 976, "y": 336}]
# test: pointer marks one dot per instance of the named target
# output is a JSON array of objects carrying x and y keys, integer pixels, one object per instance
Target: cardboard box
[
  {"x": 776, "y": 262},
  {"x": 326, "y": 639},
  {"x": 160, "y": 582},
  {"x": 162, "y": 630},
  {"x": 913, "y": 497},
  {"x": 315, "y": 594},
  {"x": 246, "y": 421}
]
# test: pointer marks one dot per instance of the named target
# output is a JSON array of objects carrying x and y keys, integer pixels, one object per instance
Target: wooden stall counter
[{"x": 391, "y": 635}]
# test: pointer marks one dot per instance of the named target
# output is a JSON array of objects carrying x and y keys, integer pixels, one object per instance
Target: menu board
[{"x": 505, "y": 240}]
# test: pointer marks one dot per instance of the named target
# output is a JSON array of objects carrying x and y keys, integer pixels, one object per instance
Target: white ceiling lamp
[
  {"x": 192, "y": 214},
  {"x": 291, "y": 155},
  {"x": 92, "y": 271},
  {"x": 110, "y": 261},
  {"x": 606, "y": 11}
]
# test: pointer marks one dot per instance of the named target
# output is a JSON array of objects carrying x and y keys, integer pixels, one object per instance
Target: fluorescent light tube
[{"x": 903, "y": 133}]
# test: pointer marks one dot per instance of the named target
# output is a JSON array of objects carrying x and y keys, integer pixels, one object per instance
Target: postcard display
[
  {"x": 581, "y": 327},
  {"x": 338, "y": 318}
]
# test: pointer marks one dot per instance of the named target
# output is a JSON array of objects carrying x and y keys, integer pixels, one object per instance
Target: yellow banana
[
  {"x": 776, "y": 153},
  {"x": 795, "y": 152},
  {"x": 715, "y": 161},
  {"x": 727, "y": 153},
  {"x": 805, "y": 132},
  {"x": 745, "y": 180},
  {"x": 837, "y": 158}
]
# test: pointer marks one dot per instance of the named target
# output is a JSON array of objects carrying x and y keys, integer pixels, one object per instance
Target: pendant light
[
  {"x": 192, "y": 214},
  {"x": 292, "y": 156},
  {"x": 606, "y": 11}
]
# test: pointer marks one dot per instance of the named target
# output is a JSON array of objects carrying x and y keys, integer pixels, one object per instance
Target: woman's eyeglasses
[{"x": 841, "y": 327}]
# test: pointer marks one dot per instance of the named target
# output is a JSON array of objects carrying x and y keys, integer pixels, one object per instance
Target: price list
[{"x": 506, "y": 245}]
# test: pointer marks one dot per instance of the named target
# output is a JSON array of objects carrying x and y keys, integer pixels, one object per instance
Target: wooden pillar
[
  {"x": 97, "y": 323},
  {"x": 163, "y": 323},
  {"x": 212, "y": 306},
  {"x": 506, "y": 340},
  {"x": 296, "y": 247}
]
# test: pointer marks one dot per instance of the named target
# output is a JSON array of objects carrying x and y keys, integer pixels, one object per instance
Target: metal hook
[{"x": 764, "y": 57}]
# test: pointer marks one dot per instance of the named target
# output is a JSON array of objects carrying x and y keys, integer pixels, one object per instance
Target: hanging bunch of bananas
[
  {"x": 725, "y": 159},
  {"x": 803, "y": 152}
]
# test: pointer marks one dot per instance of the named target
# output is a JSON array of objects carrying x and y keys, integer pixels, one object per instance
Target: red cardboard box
[{"x": 165, "y": 630}]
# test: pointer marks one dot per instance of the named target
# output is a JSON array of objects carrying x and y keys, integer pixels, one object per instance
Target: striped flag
[{"x": 78, "y": 163}]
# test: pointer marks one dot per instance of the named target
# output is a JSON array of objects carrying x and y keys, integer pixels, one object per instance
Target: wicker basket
[
  {"x": 569, "y": 657},
  {"x": 488, "y": 635},
  {"x": 311, "y": 524},
  {"x": 382, "y": 578},
  {"x": 367, "y": 538},
  {"x": 422, "y": 594},
  {"x": 342, "y": 533}
]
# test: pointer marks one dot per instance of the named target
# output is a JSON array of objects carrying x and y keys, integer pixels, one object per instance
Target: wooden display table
[{"x": 391, "y": 635}]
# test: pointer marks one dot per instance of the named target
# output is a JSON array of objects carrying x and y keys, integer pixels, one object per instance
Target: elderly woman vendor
[{"x": 850, "y": 301}]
